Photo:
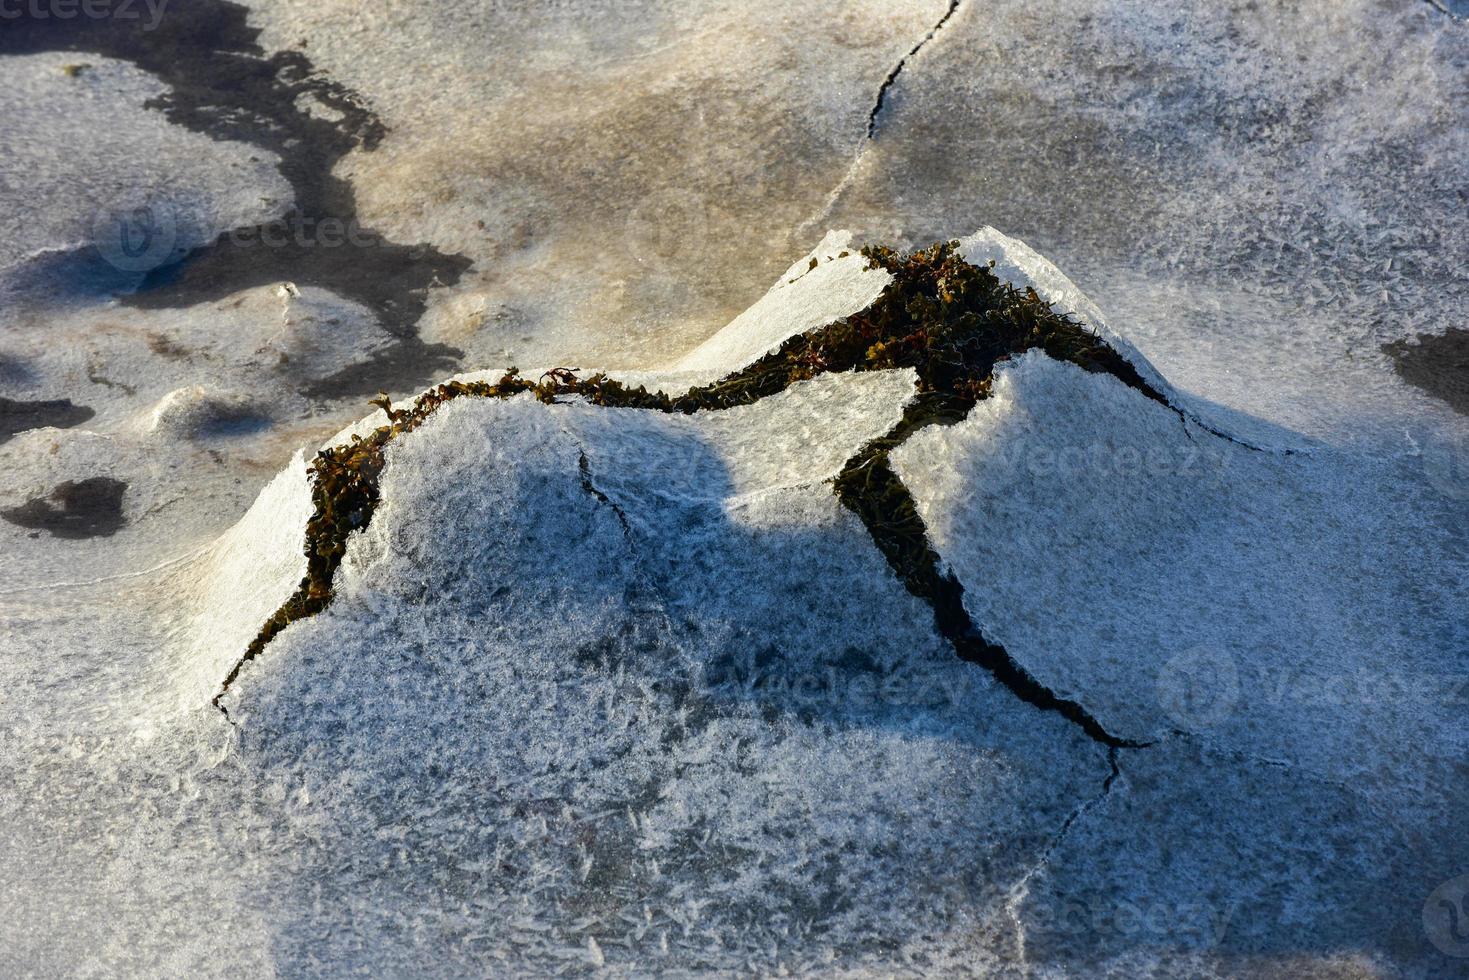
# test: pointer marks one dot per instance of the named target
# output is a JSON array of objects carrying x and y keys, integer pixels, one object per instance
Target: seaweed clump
[{"x": 949, "y": 321}]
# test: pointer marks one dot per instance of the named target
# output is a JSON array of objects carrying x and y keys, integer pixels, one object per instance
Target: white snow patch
[{"x": 804, "y": 298}]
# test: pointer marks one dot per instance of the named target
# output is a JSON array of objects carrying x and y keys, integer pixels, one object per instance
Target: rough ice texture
[
  {"x": 1258, "y": 196},
  {"x": 667, "y": 711},
  {"x": 1202, "y": 864},
  {"x": 1168, "y": 533},
  {"x": 249, "y": 573},
  {"x": 692, "y": 722},
  {"x": 1296, "y": 612},
  {"x": 638, "y": 693},
  {"x": 1265, "y": 200}
]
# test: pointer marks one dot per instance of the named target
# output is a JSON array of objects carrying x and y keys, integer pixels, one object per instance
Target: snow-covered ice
[{"x": 617, "y": 692}]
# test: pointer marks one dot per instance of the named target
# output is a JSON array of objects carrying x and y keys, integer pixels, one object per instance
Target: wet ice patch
[{"x": 634, "y": 687}]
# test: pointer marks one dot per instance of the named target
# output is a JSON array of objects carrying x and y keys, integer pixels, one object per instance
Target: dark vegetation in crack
[
  {"x": 869, "y": 488},
  {"x": 949, "y": 321},
  {"x": 223, "y": 84}
]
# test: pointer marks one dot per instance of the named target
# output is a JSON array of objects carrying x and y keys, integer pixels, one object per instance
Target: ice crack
[
  {"x": 1021, "y": 889},
  {"x": 870, "y": 488},
  {"x": 892, "y": 76},
  {"x": 872, "y": 120}
]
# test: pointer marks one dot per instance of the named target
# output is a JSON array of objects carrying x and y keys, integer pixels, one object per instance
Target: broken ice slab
[
  {"x": 1101, "y": 538},
  {"x": 832, "y": 282},
  {"x": 679, "y": 664},
  {"x": 636, "y": 682}
]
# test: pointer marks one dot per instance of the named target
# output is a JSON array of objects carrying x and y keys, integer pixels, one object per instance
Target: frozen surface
[
  {"x": 669, "y": 710},
  {"x": 833, "y": 282},
  {"x": 719, "y": 735},
  {"x": 1168, "y": 533},
  {"x": 79, "y": 154},
  {"x": 1200, "y": 863},
  {"x": 665, "y": 742},
  {"x": 1301, "y": 611},
  {"x": 665, "y": 707},
  {"x": 1259, "y": 196},
  {"x": 628, "y": 177}
]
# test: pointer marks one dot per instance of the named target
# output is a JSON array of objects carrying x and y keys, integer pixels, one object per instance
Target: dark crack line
[
  {"x": 1186, "y": 417},
  {"x": 954, "y": 371},
  {"x": 870, "y": 489},
  {"x": 224, "y": 688},
  {"x": 1114, "y": 770},
  {"x": 640, "y": 563},
  {"x": 892, "y": 77},
  {"x": 219, "y": 704},
  {"x": 584, "y": 466},
  {"x": 872, "y": 118}
]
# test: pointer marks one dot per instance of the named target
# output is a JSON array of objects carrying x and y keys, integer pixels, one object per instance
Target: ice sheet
[{"x": 544, "y": 731}]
